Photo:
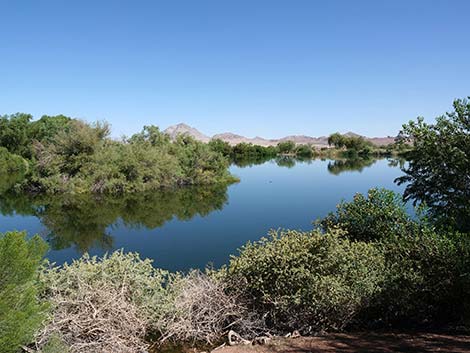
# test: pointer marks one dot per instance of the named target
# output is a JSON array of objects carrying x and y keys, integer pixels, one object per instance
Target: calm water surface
[{"x": 192, "y": 227}]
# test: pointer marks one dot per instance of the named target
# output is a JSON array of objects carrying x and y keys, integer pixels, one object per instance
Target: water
[{"x": 190, "y": 228}]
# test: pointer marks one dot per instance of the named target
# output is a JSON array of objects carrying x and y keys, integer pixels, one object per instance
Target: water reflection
[
  {"x": 281, "y": 161},
  {"x": 191, "y": 227},
  {"x": 83, "y": 221},
  {"x": 337, "y": 167}
]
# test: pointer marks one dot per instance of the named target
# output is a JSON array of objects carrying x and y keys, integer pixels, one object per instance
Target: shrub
[
  {"x": 204, "y": 309},
  {"x": 20, "y": 311},
  {"x": 381, "y": 214},
  {"x": 11, "y": 163},
  {"x": 308, "y": 281},
  {"x": 426, "y": 279},
  {"x": 103, "y": 305},
  {"x": 426, "y": 269}
]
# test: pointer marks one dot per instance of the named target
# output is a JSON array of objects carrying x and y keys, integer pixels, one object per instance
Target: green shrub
[
  {"x": 82, "y": 159},
  {"x": 11, "y": 163},
  {"x": 426, "y": 276},
  {"x": 12, "y": 169},
  {"x": 424, "y": 279},
  {"x": 308, "y": 281},
  {"x": 20, "y": 311},
  {"x": 379, "y": 215},
  {"x": 304, "y": 151}
]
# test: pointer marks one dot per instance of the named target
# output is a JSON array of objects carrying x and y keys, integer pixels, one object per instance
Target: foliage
[
  {"x": 11, "y": 163},
  {"x": 286, "y": 147},
  {"x": 381, "y": 214},
  {"x": 20, "y": 311},
  {"x": 438, "y": 172},
  {"x": 12, "y": 169},
  {"x": 222, "y": 147},
  {"x": 18, "y": 131},
  {"x": 71, "y": 156},
  {"x": 426, "y": 272},
  {"x": 14, "y": 133},
  {"x": 356, "y": 143},
  {"x": 304, "y": 151},
  {"x": 308, "y": 281},
  {"x": 426, "y": 280},
  {"x": 105, "y": 305}
]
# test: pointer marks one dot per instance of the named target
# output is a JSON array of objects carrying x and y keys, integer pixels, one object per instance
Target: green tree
[
  {"x": 438, "y": 172},
  {"x": 46, "y": 128},
  {"x": 336, "y": 140},
  {"x": 304, "y": 151},
  {"x": 286, "y": 146},
  {"x": 14, "y": 133},
  {"x": 221, "y": 146},
  {"x": 20, "y": 312}
]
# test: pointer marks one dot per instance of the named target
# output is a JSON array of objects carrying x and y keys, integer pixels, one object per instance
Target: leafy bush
[
  {"x": 286, "y": 147},
  {"x": 12, "y": 169},
  {"x": 424, "y": 279},
  {"x": 20, "y": 311},
  {"x": 103, "y": 305},
  {"x": 426, "y": 269},
  {"x": 11, "y": 163},
  {"x": 309, "y": 281},
  {"x": 304, "y": 151},
  {"x": 379, "y": 215}
]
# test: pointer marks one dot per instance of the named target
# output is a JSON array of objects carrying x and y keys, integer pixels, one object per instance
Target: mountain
[
  {"x": 183, "y": 129},
  {"x": 233, "y": 139}
]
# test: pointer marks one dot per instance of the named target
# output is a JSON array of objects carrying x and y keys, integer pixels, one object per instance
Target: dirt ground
[{"x": 362, "y": 342}]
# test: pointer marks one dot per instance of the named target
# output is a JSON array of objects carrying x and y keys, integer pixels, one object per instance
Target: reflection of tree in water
[
  {"x": 286, "y": 161},
  {"x": 82, "y": 220},
  {"x": 397, "y": 162},
  {"x": 350, "y": 165},
  {"x": 249, "y": 161}
]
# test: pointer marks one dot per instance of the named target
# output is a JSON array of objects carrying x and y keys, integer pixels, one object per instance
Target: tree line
[{"x": 58, "y": 154}]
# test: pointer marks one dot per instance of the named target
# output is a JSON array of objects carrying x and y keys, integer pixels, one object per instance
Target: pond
[{"x": 196, "y": 226}]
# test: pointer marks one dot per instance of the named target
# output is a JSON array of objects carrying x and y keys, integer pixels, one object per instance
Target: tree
[
  {"x": 304, "y": 151},
  {"x": 438, "y": 172},
  {"x": 14, "y": 133},
  {"x": 336, "y": 140},
  {"x": 221, "y": 146},
  {"x": 46, "y": 128},
  {"x": 286, "y": 146},
  {"x": 20, "y": 312}
]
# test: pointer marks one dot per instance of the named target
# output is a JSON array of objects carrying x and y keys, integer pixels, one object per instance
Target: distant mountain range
[{"x": 233, "y": 139}]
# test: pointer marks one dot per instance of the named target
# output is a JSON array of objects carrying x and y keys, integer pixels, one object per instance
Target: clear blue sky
[{"x": 253, "y": 67}]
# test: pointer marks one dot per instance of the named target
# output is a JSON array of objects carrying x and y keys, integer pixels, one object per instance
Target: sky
[{"x": 265, "y": 68}]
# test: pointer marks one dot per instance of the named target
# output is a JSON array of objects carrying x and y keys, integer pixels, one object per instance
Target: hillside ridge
[{"x": 233, "y": 139}]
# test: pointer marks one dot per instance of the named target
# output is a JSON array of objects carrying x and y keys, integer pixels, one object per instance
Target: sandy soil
[{"x": 362, "y": 342}]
